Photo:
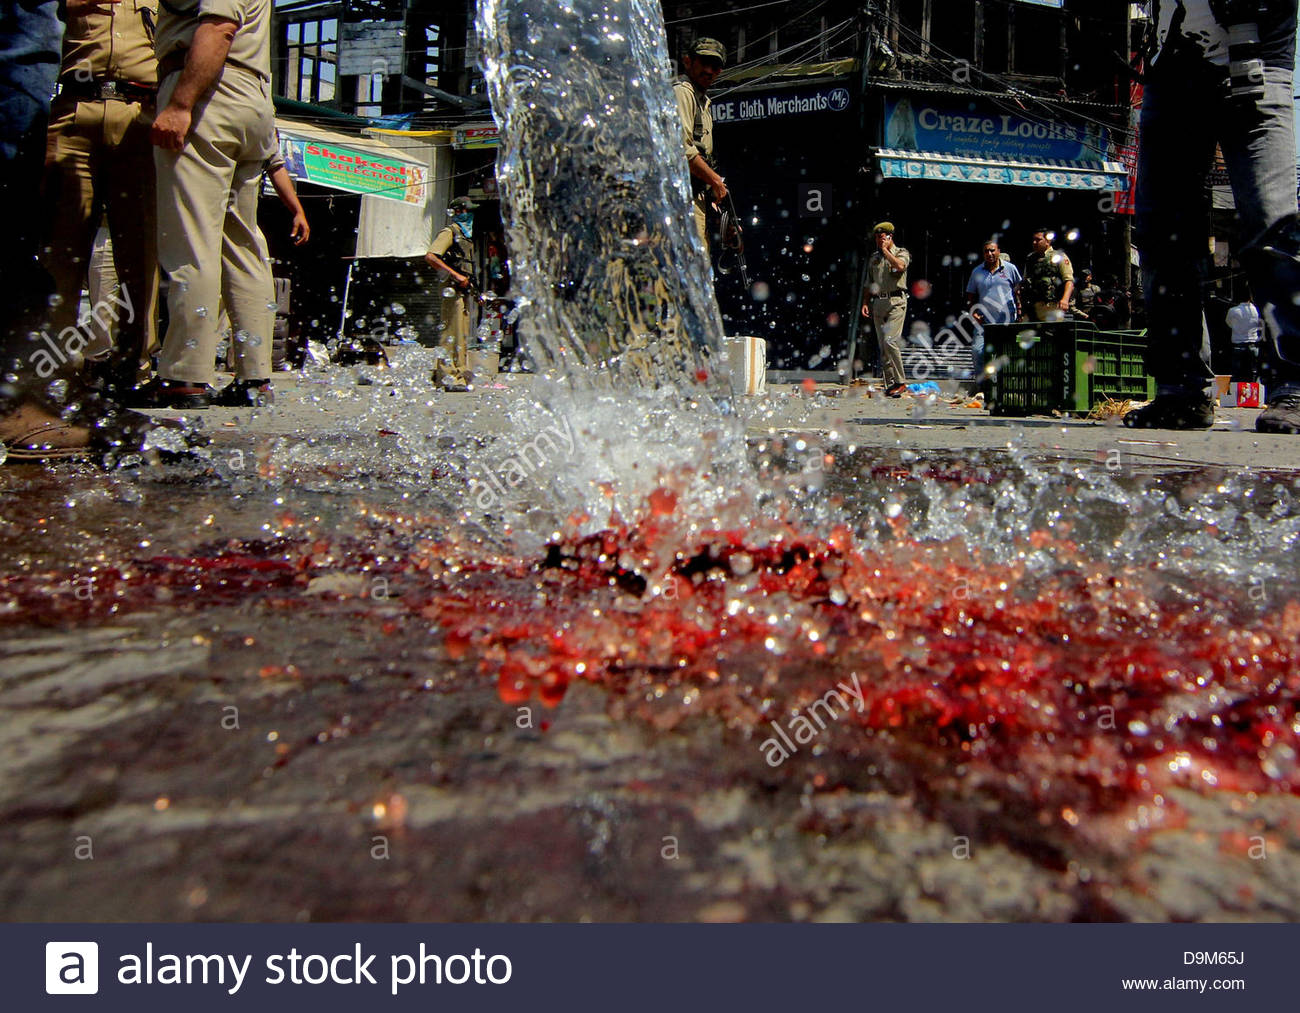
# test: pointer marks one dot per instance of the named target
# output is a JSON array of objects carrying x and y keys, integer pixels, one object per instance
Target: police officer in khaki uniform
[
  {"x": 214, "y": 131},
  {"x": 885, "y": 303},
  {"x": 703, "y": 61},
  {"x": 452, "y": 252},
  {"x": 99, "y": 163},
  {"x": 1049, "y": 277},
  {"x": 31, "y": 422}
]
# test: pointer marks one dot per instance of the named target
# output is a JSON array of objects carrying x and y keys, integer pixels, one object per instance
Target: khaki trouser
[
  {"x": 208, "y": 240},
  {"x": 99, "y": 163},
  {"x": 103, "y": 287},
  {"x": 888, "y": 314},
  {"x": 699, "y": 202},
  {"x": 1048, "y": 311},
  {"x": 453, "y": 340}
]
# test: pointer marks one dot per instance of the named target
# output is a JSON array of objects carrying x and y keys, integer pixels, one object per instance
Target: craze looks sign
[{"x": 914, "y": 124}]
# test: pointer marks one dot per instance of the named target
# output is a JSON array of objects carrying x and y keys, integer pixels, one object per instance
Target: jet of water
[
  {"x": 604, "y": 256},
  {"x": 615, "y": 296}
]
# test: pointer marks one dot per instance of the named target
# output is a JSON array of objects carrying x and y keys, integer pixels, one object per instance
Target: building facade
[
  {"x": 989, "y": 119},
  {"x": 959, "y": 120}
]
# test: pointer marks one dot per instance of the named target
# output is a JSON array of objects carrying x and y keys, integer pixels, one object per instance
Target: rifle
[{"x": 733, "y": 241}]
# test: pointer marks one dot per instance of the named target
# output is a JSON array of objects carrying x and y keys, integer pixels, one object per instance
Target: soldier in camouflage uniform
[{"x": 1049, "y": 280}]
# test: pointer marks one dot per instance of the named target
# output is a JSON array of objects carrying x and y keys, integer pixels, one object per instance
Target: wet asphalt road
[{"x": 269, "y": 746}]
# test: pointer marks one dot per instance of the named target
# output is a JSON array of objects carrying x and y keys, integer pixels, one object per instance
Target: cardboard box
[
  {"x": 1243, "y": 395},
  {"x": 747, "y": 358}
]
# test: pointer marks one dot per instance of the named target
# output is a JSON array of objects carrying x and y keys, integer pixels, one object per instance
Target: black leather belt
[{"x": 108, "y": 88}]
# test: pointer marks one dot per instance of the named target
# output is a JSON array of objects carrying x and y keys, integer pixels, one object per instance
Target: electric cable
[{"x": 1013, "y": 92}]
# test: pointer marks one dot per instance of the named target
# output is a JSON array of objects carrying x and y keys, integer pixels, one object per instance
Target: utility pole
[
  {"x": 870, "y": 25},
  {"x": 1126, "y": 229}
]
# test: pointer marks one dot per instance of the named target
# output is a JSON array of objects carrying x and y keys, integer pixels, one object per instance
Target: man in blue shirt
[{"x": 992, "y": 297}]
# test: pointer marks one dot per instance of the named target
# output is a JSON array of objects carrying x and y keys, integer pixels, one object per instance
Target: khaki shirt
[
  {"x": 113, "y": 43},
  {"x": 462, "y": 259},
  {"x": 697, "y": 122},
  {"x": 882, "y": 280},
  {"x": 251, "y": 48}
]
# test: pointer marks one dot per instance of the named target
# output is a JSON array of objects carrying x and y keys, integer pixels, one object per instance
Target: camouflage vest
[{"x": 1043, "y": 277}]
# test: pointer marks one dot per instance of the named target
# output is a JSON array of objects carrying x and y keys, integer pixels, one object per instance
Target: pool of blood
[{"x": 1058, "y": 693}]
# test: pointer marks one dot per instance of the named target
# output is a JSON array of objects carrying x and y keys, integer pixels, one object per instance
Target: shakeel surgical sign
[{"x": 353, "y": 169}]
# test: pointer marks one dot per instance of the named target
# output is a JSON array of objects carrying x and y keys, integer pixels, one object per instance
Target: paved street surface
[{"x": 277, "y": 686}]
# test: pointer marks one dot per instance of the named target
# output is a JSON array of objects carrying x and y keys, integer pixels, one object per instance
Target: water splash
[
  {"x": 616, "y": 301},
  {"x": 605, "y": 260}
]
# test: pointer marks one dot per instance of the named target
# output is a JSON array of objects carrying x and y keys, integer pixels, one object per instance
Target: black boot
[{"x": 1173, "y": 411}]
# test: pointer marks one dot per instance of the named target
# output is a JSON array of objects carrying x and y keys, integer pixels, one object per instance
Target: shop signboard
[
  {"x": 1055, "y": 177},
  {"x": 478, "y": 137},
  {"x": 340, "y": 166},
  {"x": 765, "y": 105},
  {"x": 916, "y": 123}
]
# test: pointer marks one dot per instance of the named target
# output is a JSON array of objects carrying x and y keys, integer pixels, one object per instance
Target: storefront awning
[{"x": 928, "y": 165}]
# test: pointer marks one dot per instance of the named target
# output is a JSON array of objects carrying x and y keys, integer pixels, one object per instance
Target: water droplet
[
  {"x": 200, "y": 311},
  {"x": 1279, "y": 762}
]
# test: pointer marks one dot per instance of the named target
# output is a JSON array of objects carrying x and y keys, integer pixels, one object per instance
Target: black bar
[{"x": 664, "y": 967}]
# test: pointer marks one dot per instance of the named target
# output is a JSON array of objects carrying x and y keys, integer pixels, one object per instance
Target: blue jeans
[
  {"x": 31, "y": 38},
  {"x": 1185, "y": 110}
]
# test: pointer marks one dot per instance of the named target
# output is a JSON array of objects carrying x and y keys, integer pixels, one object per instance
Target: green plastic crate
[{"x": 1067, "y": 366}]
